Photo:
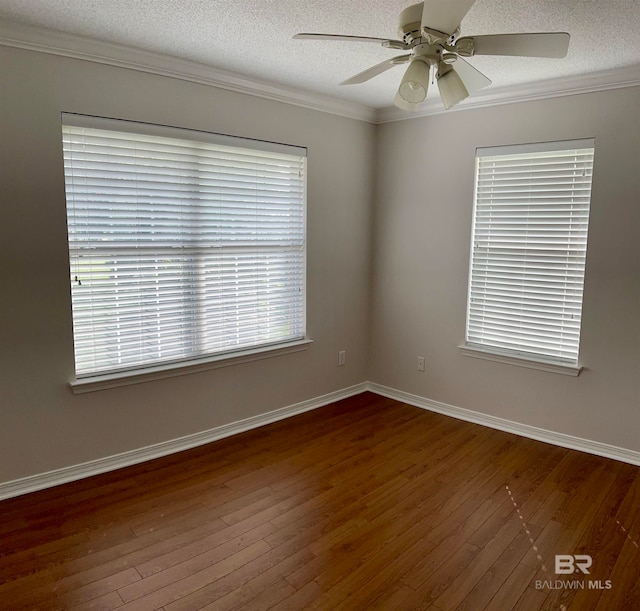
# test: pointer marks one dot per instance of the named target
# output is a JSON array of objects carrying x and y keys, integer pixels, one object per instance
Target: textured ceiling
[{"x": 254, "y": 38}]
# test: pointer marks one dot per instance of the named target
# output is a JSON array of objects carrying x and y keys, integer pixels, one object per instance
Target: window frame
[
  {"x": 539, "y": 361},
  {"x": 148, "y": 370}
]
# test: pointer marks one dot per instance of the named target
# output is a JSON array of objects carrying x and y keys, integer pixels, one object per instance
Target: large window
[
  {"x": 182, "y": 244},
  {"x": 528, "y": 250}
]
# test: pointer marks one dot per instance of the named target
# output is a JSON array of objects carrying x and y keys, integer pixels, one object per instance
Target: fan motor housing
[{"x": 431, "y": 54}]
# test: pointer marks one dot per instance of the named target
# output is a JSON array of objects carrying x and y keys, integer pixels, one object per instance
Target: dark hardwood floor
[{"x": 364, "y": 504}]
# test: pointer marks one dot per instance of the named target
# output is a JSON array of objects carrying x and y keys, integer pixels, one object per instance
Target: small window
[
  {"x": 182, "y": 244},
  {"x": 528, "y": 251}
]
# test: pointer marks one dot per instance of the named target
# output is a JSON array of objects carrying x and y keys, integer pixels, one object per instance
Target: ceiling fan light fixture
[
  {"x": 402, "y": 104},
  {"x": 430, "y": 32},
  {"x": 452, "y": 89},
  {"x": 415, "y": 82}
]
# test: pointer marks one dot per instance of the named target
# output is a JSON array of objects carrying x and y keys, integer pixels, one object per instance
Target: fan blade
[
  {"x": 395, "y": 44},
  {"x": 456, "y": 81},
  {"x": 471, "y": 77},
  {"x": 552, "y": 44},
  {"x": 444, "y": 16},
  {"x": 365, "y": 75}
]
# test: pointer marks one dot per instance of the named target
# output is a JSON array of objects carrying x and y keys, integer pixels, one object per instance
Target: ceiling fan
[{"x": 430, "y": 32}]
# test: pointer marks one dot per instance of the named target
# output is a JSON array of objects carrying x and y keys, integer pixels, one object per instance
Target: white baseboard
[
  {"x": 524, "y": 430},
  {"x": 111, "y": 463}
]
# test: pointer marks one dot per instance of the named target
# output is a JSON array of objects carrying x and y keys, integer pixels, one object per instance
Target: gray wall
[
  {"x": 43, "y": 426},
  {"x": 388, "y": 249},
  {"x": 422, "y": 230}
]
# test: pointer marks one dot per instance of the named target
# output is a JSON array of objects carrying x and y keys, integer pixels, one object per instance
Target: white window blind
[
  {"x": 182, "y": 244},
  {"x": 529, "y": 245}
]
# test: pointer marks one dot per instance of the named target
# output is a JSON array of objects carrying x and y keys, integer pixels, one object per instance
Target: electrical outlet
[
  {"x": 342, "y": 357},
  {"x": 420, "y": 363}
]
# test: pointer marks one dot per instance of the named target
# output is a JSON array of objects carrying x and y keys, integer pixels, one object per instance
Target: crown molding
[
  {"x": 540, "y": 90},
  {"x": 21, "y": 36},
  {"x": 14, "y": 34}
]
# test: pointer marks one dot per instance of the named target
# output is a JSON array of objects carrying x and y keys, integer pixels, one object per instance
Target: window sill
[
  {"x": 521, "y": 361},
  {"x": 172, "y": 370}
]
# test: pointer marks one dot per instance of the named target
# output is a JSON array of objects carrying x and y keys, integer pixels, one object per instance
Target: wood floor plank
[
  {"x": 465, "y": 583},
  {"x": 194, "y": 560},
  {"x": 444, "y": 549},
  {"x": 437, "y": 577},
  {"x": 304, "y": 598},
  {"x": 143, "y": 548},
  {"x": 400, "y": 598},
  {"x": 625, "y": 575},
  {"x": 364, "y": 504},
  {"x": 277, "y": 563},
  {"x": 165, "y": 589},
  {"x": 106, "y": 587},
  {"x": 603, "y": 541},
  {"x": 268, "y": 588},
  {"x": 382, "y": 569},
  {"x": 530, "y": 600},
  {"x": 497, "y": 575},
  {"x": 107, "y": 602},
  {"x": 512, "y": 589},
  {"x": 212, "y": 547}
]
